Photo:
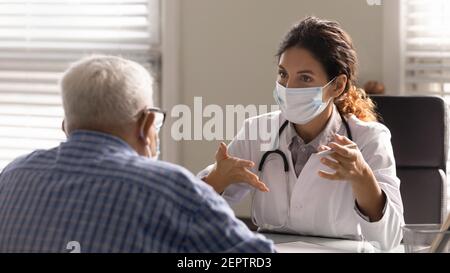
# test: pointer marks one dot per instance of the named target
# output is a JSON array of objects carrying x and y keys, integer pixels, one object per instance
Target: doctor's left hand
[{"x": 348, "y": 163}]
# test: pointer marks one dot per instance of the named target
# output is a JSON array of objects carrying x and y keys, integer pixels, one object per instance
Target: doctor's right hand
[{"x": 229, "y": 170}]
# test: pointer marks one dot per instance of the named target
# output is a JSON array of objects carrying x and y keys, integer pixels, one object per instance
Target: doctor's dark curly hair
[{"x": 334, "y": 49}]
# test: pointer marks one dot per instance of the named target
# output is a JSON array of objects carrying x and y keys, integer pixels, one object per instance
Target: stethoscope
[
  {"x": 262, "y": 224},
  {"x": 284, "y": 158},
  {"x": 283, "y": 155}
]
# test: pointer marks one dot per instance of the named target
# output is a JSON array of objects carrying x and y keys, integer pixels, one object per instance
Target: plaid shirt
[{"x": 96, "y": 192}]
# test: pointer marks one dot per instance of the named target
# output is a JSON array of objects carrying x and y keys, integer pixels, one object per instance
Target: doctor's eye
[
  {"x": 305, "y": 78},
  {"x": 282, "y": 74}
]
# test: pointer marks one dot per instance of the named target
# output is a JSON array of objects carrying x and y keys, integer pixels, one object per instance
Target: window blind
[
  {"x": 40, "y": 38},
  {"x": 427, "y": 47}
]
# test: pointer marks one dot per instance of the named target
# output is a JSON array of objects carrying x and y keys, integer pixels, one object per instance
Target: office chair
[{"x": 419, "y": 129}]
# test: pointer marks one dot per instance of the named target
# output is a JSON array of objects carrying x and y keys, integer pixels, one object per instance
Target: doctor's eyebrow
[
  {"x": 305, "y": 72},
  {"x": 299, "y": 72}
]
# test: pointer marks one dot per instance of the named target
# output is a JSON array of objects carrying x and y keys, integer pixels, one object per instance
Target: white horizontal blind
[
  {"x": 427, "y": 47},
  {"x": 40, "y": 38}
]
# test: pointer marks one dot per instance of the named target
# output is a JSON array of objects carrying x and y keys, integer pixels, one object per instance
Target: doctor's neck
[{"x": 312, "y": 129}]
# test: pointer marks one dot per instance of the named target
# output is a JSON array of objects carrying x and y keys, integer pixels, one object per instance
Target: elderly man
[{"x": 103, "y": 190}]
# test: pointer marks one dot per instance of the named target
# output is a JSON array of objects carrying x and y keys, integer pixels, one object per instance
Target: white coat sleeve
[
  {"x": 378, "y": 153},
  {"x": 238, "y": 147}
]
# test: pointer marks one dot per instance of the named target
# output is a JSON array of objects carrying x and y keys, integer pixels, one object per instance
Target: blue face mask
[{"x": 300, "y": 105}]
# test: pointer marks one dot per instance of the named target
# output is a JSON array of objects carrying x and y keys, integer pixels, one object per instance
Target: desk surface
[{"x": 286, "y": 243}]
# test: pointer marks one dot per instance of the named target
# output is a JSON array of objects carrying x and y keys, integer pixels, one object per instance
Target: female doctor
[{"x": 352, "y": 191}]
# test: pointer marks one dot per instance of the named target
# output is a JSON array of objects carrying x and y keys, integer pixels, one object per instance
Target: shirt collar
[
  {"x": 333, "y": 126},
  {"x": 100, "y": 141}
]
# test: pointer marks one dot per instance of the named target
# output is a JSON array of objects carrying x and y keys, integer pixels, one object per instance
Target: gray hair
[{"x": 105, "y": 91}]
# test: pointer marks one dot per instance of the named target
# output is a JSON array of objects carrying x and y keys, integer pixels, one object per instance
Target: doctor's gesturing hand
[
  {"x": 350, "y": 166},
  {"x": 229, "y": 170}
]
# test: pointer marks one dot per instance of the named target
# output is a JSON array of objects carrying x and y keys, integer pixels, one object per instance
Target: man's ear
[
  {"x": 145, "y": 124},
  {"x": 63, "y": 127},
  {"x": 340, "y": 83}
]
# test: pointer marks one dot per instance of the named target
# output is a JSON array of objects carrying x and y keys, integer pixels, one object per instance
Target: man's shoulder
[
  {"x": 154, "y": 169},
  {"x": 37, "y": 159},
  {"x": 171, "y": 180},
  {"x": 155, "y": 177}
]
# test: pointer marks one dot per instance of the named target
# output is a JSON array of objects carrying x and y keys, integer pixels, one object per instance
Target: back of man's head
[{"x": 104, "y": 92}]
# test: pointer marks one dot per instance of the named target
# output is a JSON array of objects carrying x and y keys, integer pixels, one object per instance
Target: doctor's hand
[
  {"x": 229, "y": 170},
  {"x": 348, "y": 163}
]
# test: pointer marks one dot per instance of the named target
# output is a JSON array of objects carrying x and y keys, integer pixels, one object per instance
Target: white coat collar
[{"x": 334, "y": 125}]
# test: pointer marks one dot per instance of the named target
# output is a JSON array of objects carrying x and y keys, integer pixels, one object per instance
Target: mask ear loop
[
  {"x": 141, "y": 135},
  {"x": 141, "y": 130},
  {"x": 326, "y": 85}
]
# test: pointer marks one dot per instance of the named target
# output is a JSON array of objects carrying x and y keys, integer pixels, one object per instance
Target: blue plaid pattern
[{"x": 96, "y": 190}]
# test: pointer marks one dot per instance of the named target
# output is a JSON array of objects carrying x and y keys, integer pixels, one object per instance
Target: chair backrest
[{"x": 418, "y": 125}]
